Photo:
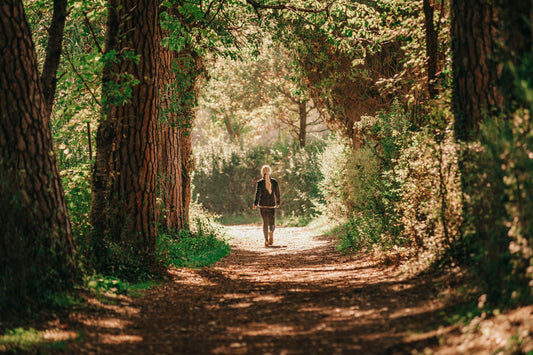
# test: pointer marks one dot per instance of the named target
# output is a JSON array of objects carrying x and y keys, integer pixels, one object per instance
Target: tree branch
[
  {"x": 216, "y": 14},
  {"x": 288, "y": 123},
  {"x": 318, "y": 131},
  {"x": 80, "y": 77},
  {"x": 257, "y": 6},
  {"x": 288, "y": 95},
  {"x": 88, "y": 24}
]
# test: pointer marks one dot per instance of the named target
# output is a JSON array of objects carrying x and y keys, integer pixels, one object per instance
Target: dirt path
[{"x": 298, "y": 297}]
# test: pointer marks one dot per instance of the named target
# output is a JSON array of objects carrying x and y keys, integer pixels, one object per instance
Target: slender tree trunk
[
  {"x": 125, "y": 177},
  {"x": 431, "y": 45},
  {"x": 302, "y": 113},
  {"x": 475, "y": 94},
  {"x": 187, "y": 166},
  {"x": 190, "y": 68},
  {"x": 170, "y": 176},
  {"x": 229, "y": 128},
  {"x": 36, "y": 244},
  {"x": 53, "y": 54},
  {"x": 105, "y": 137}
]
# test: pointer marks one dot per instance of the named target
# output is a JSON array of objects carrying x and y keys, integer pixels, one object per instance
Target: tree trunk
[
  {"x": 36, "y": 244},
  {"x": 233, "y": 136},
  {"x": 53, "y": 54},
  {"x": 144, "y": 145},
  {"x": 125, "y": 177},
  {"x": 475, "y": 94},
  {"x": 190, "y": 67},
  {"x": 302, "y": 113},
  {"x": 105, "y": 137},
  {"x": 170, "y": 176},
  {"x": 187, "y": 167},
  {"x": 431, "y": 45}
]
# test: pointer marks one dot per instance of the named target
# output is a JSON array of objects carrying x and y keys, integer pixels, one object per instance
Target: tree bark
[
  {"x": 187, "y": 166},
  {"x": 125, "y": 177},
  {"x": 475, "y": 92},
  {"x": 53, "y": 54},
  {"x": 302, "y": 113},
  {"x": 105, "y": 137},
  {"x": 190, "y": 68},
  {"x": 35, "y": 234},
  {"x": 170, "y": 176},
  {"x": 143, "y": 145}
]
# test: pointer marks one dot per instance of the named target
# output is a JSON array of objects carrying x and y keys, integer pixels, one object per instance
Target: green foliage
[
  {"x": 249, "y": 217},
  {"x": 202, "y": 245},
  {"x": 498, "y": 175},
  {"x": 333, "y": 166},
  {"x": 78, "y": 93},
  {"x": 258, "y": 94},
  {"x": 77, "y": 185},
  {"x": 101, "y": 285},
  {"x": 464, "y": 314},
  {"x": 361, "y": 186},
  {"x": 401, "y": 187},
  {"x": 360, "y": 233},
  {"x": 430, "y": 204},
  {"x": 357, "y": 57},
  {"x": 236, "y": 171},
  {"x": 26, "y": 340},
  {"x": 218, "y": 26},
  {"x": 121, "y": 260}
]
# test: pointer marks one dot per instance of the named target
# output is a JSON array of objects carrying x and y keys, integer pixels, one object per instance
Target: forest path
[{"x": 300, "y": 296}]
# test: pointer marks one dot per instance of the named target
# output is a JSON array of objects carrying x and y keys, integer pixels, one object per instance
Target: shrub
[
  {"x": 430, "y": 203},
  {"x": 201, "y": 245},
  {"x": 361, "y": 185},
  {"x": 498, "y": 231},
  {"x": 360, "y": 232},
  {"x": 334, "y": 169},
  {"x": 77, "y": 186},
  {"x": 224, "y": 180}
]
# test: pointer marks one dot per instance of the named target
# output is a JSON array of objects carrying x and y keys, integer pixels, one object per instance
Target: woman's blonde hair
[{"x": 265, "y": 171}]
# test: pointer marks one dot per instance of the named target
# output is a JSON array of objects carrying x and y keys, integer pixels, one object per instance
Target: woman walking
[{"x": 267, "y": 198}]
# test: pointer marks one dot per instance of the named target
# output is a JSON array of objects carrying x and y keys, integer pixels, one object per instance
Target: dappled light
[
  {"x": 266, "y": 177},
  {"x": 261, "y": 300}
]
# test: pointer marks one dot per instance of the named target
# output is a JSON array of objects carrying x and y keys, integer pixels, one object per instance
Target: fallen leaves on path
[{"x": 298, "y": 297}]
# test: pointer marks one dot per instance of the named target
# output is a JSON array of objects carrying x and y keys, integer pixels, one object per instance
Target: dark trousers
[{"x": 269, "y": 220}]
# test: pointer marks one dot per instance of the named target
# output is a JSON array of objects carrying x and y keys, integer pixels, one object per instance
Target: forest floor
[{"x": 299, "y": 296}]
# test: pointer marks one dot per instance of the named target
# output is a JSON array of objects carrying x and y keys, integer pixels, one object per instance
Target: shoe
[
  {"x": 267, "y": 244},
  {"x": 271, "y": 238}
]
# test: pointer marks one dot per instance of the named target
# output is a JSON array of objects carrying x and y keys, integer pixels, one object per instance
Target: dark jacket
[{"x": 263, "y": 198}]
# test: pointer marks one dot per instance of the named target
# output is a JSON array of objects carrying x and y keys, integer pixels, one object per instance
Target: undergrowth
[
  {"x": 21, "y": 340},
  {"x": 202, "y": 245}
]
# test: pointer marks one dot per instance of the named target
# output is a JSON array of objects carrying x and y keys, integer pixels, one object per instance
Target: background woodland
[{"x": 128, "y": 127}]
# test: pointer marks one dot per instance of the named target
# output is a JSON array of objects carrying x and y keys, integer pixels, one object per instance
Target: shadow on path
[{"x": 303, "y": 298}]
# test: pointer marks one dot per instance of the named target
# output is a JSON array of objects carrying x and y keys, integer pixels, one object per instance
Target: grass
[
  {"x": 194, "y": 249},
  {"x": 102, "y": 286},
  {"x": 25, "y": 340},
  {"x": 20, "y": 338}
]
